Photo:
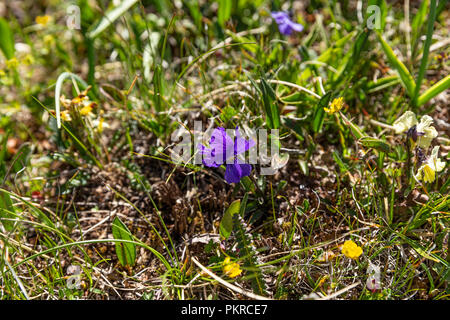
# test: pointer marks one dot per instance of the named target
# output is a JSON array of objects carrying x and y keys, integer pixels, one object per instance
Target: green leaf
[
  {"x": 342, "y": 166},
  {"x": 243, "y": 205},
  {"x": 22, "y": 158},
  {"x": 126, "y": 252},
  {"x": 354, "y": 56},
  {"x": 373, "y": 86},
  {"x": 270, "y": 107},
  {"x": 426, "y": 50},
  {"x": 355, "y": 129},
  {"x": 3, "y": 149},
  {"x": 319, "y": 112},
  {"x": 432, "y": 92},
  {"x": 110, "y": 17},
  {"x": 226, "y": 225},
  {"x": 370, "y": 142},
  {"x": 227, "y": 113},
  {"x": 158, "y": 88},
  {"x": 248, "y": 253},
  {"x": 224, "y": 12},
  {"x": 248, "y": 185},
  {"x": 418, "y": 22},
  {"x": 6, "y": 211},
  {"x": 194, "y": 10},
  {"x": 6, "y": 39},
  {"x": 405, "y": 77}
]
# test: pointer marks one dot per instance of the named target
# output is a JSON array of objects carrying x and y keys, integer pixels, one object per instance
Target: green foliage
[
  {"x": 126, "y": 252},
  {"x": 7, "y": 39},
  {"x": 224, "y": 11},
  {"x": 319, "y": 112},
  {"x": 110, "y": 17},
  {"x": 226, "y": 224},
  {"x": 248, "y": 253}
]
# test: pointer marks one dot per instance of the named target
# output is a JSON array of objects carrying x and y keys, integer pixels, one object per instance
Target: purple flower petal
[
  {"x": 221, "y": 148},
  {"x": 285, "y": 24},
  {"x": 240, "y": 144},
  {"x": 221, "y": 144},
  {"x": 285, "y": 29},
  {"x": 208, "y": 158},
  {"x": 279, "y": 16},
  {"x": 296, "y": 26},
  {"x": 236, "y": 171}
]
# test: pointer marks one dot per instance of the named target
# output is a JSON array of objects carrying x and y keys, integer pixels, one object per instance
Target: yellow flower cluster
[
  {"x": 336, "y": 105},
  {"x": 65, "y": 116},
  {"x": 351, "y": 250},
  {"x": 82, "y": 106},
  {"x": 86, "y": 110},
  {"x": 231, "y": 269}
]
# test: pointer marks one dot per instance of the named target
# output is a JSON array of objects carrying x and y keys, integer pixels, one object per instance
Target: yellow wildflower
[
  {"x": 427, "y": 172},
  {"x": 42, "y": 20},
  {"x": 336, "y": 105},
  {"x": 65, "y": 115},
  {"x": 231, "y": 269},
  {"x": 28, "y": 59},
  {"x": 86, "y": 110},
  {"x": 12, "y": 63},
  {"x": 100, "y": 124},
  {"x": 79, "y": 99},
  {"x": 351, "y": 250}
]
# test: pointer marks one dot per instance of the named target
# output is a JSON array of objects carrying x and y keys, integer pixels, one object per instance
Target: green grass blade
[
  {"x": 430, "y": 93},
  {"x": 224, "y": 11},
  {"x": 6, "y": 211},
  {"x": 426, "y": 49},
  {"x": 354, "y": 57},
  {"x": 78, "y": 243},
  {"x": 110, "y": 17},
  {"x": 405, "y": 77},
  {"x": 417, "y": 24},
  {"x": 6, "y": 39},
  {"x": 269, "y": 103},
  {"x": 319, "y": 113}
]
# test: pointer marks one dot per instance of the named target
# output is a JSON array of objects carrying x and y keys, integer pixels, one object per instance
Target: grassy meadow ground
[{"x": 92, "y": 205}]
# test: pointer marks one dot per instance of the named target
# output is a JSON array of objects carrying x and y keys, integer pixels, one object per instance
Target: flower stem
[{"x": 408, "y": 159}]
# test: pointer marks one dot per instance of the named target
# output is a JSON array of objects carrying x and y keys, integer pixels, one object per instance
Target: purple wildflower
[
  {"x": 222, "y": 148},
  {"x": 285, "y": 24}
]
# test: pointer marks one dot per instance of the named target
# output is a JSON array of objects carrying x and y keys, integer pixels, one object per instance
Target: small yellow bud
[{"x": 336, "y": 105}]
